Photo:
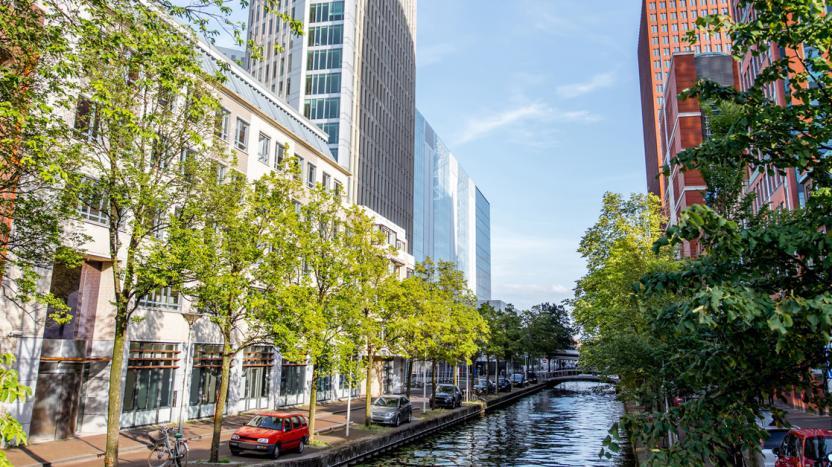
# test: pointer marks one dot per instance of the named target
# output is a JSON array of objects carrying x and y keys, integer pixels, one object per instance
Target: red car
[
  {"x": 271, "y": 433},
  {"x": 805, "y": 447}
]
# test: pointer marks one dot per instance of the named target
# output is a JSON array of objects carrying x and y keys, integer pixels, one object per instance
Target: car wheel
[
  {"x": 235, "y": 452},
  {"x": 276, "y": 452},
  {"x": 301, "y": 446}
]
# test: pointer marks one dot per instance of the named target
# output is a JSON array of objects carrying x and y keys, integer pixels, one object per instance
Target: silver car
[{"x": 392, "y": 410}]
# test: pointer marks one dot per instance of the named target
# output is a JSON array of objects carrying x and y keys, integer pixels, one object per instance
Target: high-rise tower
[
  {"x": 354, "y": 74},
  {"x": 664, "y": 25}
]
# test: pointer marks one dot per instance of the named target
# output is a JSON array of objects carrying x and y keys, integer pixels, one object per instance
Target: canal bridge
[{"x": 577, "y": 374}]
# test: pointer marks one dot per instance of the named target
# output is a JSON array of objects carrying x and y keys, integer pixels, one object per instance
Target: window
[
  {"x": 241, "y": 140},
  {"x": 331, "y": 11},
  {"x": 161, "y": 298},
  {"x": 327, "y": 83},
  {"x": 94, "y": 205},
  {"x": 323, "y": 59},
  {"x": 339, "y": 188},
  {"x": 263, "y": 149},
  {"x": 326, "y": 35},
  {"x": 322, "y": 108},
  {"x": 300, "y": 165},
  {"x": 86, "y": 125},
  {"x": 149, "y": 382},
  {"x": 258, "y": 361},
  {"x": 279, "y": 154},
  {"x": 330, "y": 129},
  {"x": 310, "y": 175},
  {"x": 205, "y": 375},
  {"x": 325, "y": 180},
  {"x": 222, "y": 123}
]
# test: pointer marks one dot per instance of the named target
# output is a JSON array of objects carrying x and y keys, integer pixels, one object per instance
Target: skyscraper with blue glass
[{"x": 451, "y": 216}]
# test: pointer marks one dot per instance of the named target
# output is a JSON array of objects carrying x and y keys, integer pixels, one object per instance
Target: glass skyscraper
[{"x": 451, "y": 216}]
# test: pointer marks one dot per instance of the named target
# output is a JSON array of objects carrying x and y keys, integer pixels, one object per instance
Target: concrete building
[
  {"x": 661, "y": 34},
  {"x": 684, "y": 125},
  {"x": 452, "y": 217},
  {"x": 68, "y": 366},
  {"x": 353, "y": 74}
]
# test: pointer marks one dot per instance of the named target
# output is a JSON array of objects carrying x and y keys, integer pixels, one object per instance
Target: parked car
[
  {"x": 485, "y": 386},
  {"x": 518, "y": 380},
  {"x": 532, "y": 377},
  {"x": 447, "y": 395},
  {"x": 805, "y": 446},
  {"x": 271, "y": 433},
  {"x": 392, "y": 410},
  {"x": 772, "y": 442},
  {"x": 504, "y": 385}
]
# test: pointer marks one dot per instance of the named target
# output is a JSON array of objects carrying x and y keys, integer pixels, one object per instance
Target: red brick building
[
  {"x": 684, "y": 125},
  {"x": 662, "y": 30}
]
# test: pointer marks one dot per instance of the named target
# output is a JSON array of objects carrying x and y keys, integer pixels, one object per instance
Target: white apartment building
[{"x": 68, "y": 366}]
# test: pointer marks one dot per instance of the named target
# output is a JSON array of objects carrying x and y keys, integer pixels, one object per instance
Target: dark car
[
  {"x": 504, "y": 385},
  {"x": 271, "y": 433},
  {"x": 531, "y": 377},
  {"x": 392, "y": 410},
  {"x": 485, "y": 386},
  {"x": 447, "y": 395},
  {"x": 518, "y": 380}
]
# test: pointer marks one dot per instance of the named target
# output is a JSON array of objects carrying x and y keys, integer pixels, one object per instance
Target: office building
[
  {"x": 661, "y": 34},
  {"x": 353, "y": 74},
  {"x": 451, "y": 216},
  {"x": 684, "y": 125}
]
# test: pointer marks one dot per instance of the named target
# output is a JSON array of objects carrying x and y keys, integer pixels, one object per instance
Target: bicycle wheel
[
  {"x": 160, "y": 456},
  {"x": 182, "y": 451}
]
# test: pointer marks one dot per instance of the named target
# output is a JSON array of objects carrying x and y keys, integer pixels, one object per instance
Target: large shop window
[
  {"x": 292, "y": 379},
  {"x": 258, "y": 361},
  {"x": 149, "y": 383},
  {"x": 205, "y": 378}
]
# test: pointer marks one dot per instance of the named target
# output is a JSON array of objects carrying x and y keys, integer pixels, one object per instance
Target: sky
[{"x": 539, "y": 102}]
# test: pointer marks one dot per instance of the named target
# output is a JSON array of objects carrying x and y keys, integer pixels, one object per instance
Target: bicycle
[{"x": 165, "y": 455}]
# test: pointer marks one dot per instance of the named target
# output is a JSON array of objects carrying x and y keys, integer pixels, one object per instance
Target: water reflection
[{"x": 562, "y": 427}]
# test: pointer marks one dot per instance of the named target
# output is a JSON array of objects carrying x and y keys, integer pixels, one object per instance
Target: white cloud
[
  {"x": 557, "y": 289},
  {"x": 599, "y": 81},
  {"x": 481, "y": 126}
]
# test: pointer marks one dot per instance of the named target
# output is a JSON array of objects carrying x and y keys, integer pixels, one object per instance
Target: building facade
[
  {"x": 661, "y": 34},
  {"x": 170, "y": 365},
  {"x": 684, "y": 125},
  {"x": 354, "y": 74},
  {"x": 452, "y": 218}
]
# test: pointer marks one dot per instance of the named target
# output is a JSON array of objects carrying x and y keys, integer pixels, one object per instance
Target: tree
[
  {"x": 752, "y": 316},
  {"x": 548, "y": 330},
  {"x": 236, "y": 252},
  {"x": 11, "y": 391},
  {"x": 331, "y": 241},
  {"x": 144, "y": 116}
]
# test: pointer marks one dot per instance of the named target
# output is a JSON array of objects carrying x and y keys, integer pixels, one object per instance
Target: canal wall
[{"x": 364, "y": 449}]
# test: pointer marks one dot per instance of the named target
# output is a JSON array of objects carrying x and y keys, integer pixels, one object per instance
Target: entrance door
[{"x": 57, "y": 397}]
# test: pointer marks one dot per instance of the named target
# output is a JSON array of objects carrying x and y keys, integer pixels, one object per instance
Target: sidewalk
[
  {"x": 804, "y": 419},
  {"x": 133, "y": 443}
]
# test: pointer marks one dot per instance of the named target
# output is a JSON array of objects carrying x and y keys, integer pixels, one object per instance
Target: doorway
[{"x": 57, "y": 397}]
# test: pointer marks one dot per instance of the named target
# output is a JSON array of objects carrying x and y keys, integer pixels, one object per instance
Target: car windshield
[
  {"x": 387, "y": 402},
  {"x": 265, "y": 421},
  {"x": 445, "y": 389},
  {"x": 818, "y": 447},
  {"x": 775, "y": 438}
]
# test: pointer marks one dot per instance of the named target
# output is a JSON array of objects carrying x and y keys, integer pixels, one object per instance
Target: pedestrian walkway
[{"x": 330, "y": 417}]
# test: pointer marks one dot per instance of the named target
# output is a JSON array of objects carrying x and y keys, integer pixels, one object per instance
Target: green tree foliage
[
  {"x": 548, "y": 330},
  {"x": 10, "y": 391},
  {"x": 750, "y": 318},
  {"x": 235, "y": 250}
]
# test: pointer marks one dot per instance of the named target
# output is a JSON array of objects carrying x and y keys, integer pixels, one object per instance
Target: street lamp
[{"x": 190, "y": 318}]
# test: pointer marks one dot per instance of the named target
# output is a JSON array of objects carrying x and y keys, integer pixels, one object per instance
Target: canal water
[{"x": 557, "y": 427}]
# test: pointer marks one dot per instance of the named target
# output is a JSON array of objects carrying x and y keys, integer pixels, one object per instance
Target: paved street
[{"x": 133, "y": 447}]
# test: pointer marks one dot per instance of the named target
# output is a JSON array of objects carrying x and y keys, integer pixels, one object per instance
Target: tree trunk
[
  {"x": 114, "y": 390},
  {"x": 219, "y": 405},
  {"x": 432, "y": 383},
  {"x": 456, "y": 374},
  {"x": 409, "y": 377},
  {"x": 313, "y": 402},
  {"x": 368, "y": 410},
  {"x": 497, "y": 372}
]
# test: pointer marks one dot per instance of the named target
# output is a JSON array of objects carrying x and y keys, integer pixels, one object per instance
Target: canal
[{"x": 557, "y": 427}]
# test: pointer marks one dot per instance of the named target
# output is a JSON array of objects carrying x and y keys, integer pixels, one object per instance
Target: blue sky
[{"x": 539, "y": 101}]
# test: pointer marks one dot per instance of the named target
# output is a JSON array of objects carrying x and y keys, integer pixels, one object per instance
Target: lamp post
[{"x": 190, "y": 318}]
